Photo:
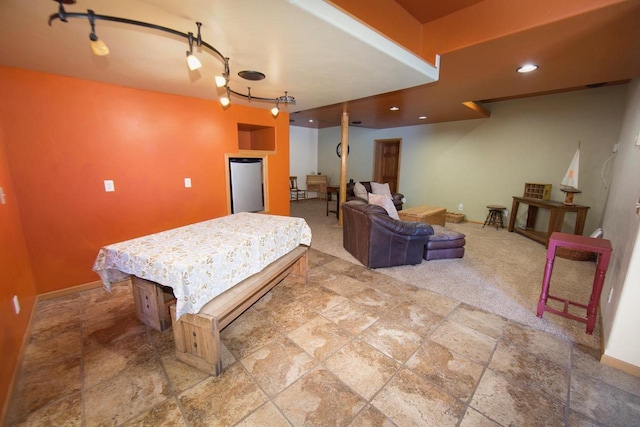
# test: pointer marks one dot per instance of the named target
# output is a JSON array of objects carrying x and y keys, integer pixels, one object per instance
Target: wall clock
[{"x": 339, "y": 150}]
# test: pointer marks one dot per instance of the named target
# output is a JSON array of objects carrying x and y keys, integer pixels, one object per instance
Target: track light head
[
  {"x": 221, "y": 81},
  {"x": 192, "y": 62},
  {"x": 97, "y": 46},
  {"x": 225, "y": 100}
]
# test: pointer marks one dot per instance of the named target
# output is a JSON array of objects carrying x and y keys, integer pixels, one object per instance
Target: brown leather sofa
[
  {"x": 377, "y": 240},
  {"x": 397, "y": 197}
]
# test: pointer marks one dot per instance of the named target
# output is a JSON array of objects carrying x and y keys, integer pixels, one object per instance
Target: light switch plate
[
  {"x": 109, "y": 186},
  {"x": 3, "y": 199},
  {"x": 187, "y": 182}
]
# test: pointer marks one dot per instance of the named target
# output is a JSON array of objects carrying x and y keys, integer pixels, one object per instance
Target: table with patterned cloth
[{"x": 202, "y": 260}]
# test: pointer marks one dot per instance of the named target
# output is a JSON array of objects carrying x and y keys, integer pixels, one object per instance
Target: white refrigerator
[{"x": 247, "y": 187}]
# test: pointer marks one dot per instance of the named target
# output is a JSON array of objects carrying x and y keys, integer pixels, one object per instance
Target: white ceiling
[{"x": 317, "y": 54}]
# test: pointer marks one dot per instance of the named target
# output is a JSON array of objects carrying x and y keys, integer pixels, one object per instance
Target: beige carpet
[{"x": 501, "y": 272}]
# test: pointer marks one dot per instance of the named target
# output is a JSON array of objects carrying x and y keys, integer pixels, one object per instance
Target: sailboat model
[{"x": 569, "y": 184}]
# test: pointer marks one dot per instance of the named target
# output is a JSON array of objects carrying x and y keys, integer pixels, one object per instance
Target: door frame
[{"x": 377, "y": 156}]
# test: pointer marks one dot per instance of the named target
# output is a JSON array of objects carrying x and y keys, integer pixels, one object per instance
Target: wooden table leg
[
  {"x": 581, "y": 218},
  {"x": 514, "y": 212},
  {"x": 532, "y": 215}
]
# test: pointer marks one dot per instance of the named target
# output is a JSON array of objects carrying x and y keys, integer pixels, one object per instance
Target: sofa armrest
[{"x": 405, "y": 228}]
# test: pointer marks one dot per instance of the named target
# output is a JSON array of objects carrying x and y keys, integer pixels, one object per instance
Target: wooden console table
[
  {"x": 556, "y": 218},
  {"x": 600, "y": 246}
]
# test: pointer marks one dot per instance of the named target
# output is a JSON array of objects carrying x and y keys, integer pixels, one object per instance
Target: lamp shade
[
  {"x": 97, "y": 45},
  {"x": 193, "y": 62}
]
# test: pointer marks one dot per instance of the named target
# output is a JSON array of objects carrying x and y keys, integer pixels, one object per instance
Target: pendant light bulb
[
  {"x": 192, "y": 62},
  {"x": 275, "y": 110},
  {"x": 225, "y": 101},
  {"x": 221, "y": 81},
  {"x": 97, "y": 45}
]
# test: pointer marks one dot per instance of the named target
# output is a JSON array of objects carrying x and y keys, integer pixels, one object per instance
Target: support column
[{"x": 343, "y": 162}]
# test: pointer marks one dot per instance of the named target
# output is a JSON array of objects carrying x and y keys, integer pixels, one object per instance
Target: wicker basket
[
  {"x": 574, "y": 254},
  {"x": 454, "y": 217}
]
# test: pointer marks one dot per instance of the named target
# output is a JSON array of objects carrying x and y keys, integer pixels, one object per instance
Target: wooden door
[{"x": 386, "y": 162}]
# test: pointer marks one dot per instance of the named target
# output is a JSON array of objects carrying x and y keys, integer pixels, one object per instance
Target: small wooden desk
[
  {"x": 600, "y": 246},
  {"x": 556, "y": 218},
  {"x": 317, "y": 184}
]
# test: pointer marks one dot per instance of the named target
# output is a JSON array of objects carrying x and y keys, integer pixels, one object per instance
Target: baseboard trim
[
  {"x": 620, "y": 365},
  {"x": 68, "y": 291}
]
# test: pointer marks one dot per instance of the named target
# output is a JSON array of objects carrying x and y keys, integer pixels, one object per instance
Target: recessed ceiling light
[
  {"x": 394, "y": 108},
  {"x": 527, "y": 68},
  {"x": 310, "y": 120},
  {"x": 422, "y": 117}
]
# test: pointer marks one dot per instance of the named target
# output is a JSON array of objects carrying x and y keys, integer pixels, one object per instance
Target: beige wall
[
  {"x": 621, "y": 316},
  {"x": 487, "y": 161}
]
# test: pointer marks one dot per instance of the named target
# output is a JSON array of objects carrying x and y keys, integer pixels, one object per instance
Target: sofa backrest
[{"x": 350, "y": 185}]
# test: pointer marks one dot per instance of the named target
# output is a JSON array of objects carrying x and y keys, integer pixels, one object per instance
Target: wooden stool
[{"x": 495, "y": 216}]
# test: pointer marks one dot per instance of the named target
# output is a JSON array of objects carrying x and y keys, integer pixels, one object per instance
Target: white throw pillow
[
  {"x": 385, "y": 201},
  {"x": 377, "y": 188},
  {"x": 360, "y": 191}
]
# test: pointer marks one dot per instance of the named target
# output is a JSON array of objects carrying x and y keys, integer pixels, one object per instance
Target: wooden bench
[{"x": 197, "y": 336}]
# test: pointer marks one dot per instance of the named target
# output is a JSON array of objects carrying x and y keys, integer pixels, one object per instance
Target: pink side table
[{"x": 600, "y": 246}]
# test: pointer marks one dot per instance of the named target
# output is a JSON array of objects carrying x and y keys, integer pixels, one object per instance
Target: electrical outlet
[
  {"x": 109, "y": 186},
  {"x": 16, "y": 304},
  {"x": 460, "y": 207},
  {"x": 187, "y": 182},
  {"x": 3, "y": 199}
]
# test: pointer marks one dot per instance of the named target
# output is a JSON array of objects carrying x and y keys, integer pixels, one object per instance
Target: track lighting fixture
[{"x": 222, "y": 81}]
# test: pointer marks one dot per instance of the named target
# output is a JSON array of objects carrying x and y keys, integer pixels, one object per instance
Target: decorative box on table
[{"x": 537, "y": 191}]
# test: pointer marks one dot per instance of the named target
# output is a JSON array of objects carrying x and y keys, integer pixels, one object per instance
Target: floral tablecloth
[{"x": 202, "y": 260}]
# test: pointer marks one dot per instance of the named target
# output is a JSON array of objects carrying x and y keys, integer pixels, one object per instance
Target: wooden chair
[{"x": 294, "y": 191}]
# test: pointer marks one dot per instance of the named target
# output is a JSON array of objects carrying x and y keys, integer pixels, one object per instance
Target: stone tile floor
[{"x": 353, "y": 347}]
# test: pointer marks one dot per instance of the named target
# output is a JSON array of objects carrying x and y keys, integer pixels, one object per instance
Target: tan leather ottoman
[{"x": 431, "y": 215}]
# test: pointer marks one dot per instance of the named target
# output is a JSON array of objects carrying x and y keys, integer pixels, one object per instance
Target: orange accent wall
[
  {"x": 65, "y": 136},
  {"x": 16, "y": 277}
]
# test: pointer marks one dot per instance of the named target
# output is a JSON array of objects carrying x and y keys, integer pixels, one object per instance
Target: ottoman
[{"x": 443, "y": 244}]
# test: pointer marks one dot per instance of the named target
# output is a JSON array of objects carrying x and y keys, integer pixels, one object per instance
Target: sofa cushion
[
  {"x": 378, "y": 188},
  {"x": 360, "y": 191},
  {"x": 386, "y": 202}
]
